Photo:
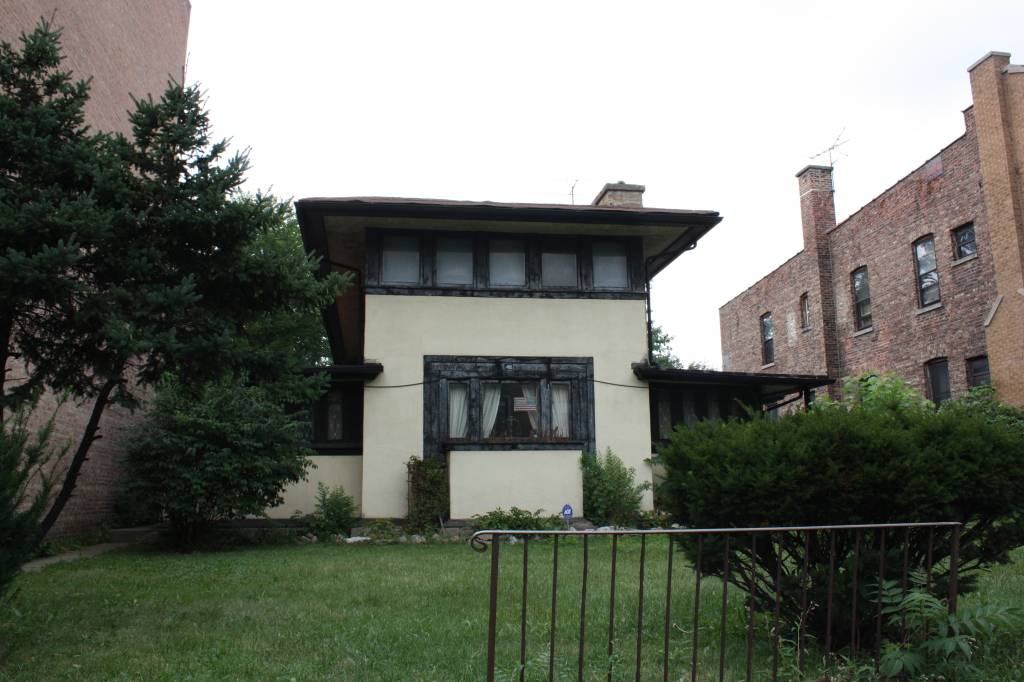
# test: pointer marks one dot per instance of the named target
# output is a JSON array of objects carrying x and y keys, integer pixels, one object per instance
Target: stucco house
[{"x": 504, "y": 338}]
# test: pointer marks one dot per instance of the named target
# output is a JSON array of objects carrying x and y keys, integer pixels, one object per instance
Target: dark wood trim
[
  {"x": 508, "y": 292},
  {"x": 488, "y": 446},
  {"x": 346, "y": 372}
]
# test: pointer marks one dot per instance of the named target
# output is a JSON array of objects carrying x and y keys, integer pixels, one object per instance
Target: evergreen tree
[{"x": 132, "y": 258}]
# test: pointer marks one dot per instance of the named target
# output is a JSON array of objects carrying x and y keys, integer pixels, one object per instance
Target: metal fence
[{"x": 819, "y": 590}]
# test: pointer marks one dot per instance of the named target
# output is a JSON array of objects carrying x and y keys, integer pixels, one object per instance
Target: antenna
[
  {"x": 572, "y": 196},
  {"x": 833, "y": 151}
]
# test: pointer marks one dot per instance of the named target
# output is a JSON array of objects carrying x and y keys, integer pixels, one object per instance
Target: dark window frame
[
  {"x": 481, "y": 287},
  {"x": 688, "y": 404},
  {"x": 351, "y": 394},
  {"x": 805, "y": 311},
  {"x": 440, "y": 370},
  {"x": 934, "y": 369},
  {"x": 862, "y": 320},
  {"x": 958, "y": 247},
  {"x": 767, "y": 342},
  {"x": 919, "y": 276},
  {"x": 976, "y": 378}
]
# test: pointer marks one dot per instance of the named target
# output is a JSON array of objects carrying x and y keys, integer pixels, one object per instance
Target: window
[
  {"x": 610, "y": 265},
  {"x": 454, "y": 260},
  {"x": 805, "y": 312},
  {"x": 400, "y": 259},
  {"x": 334, "y": 423},
  {"x": 490, "y": 403},
  {"x": 927, "y": 273},
  {"x": 977, "y": 371},
  {"x": 508, "y": 262},
  {"x": 672, "y": 405},
  {"x": 862, "y": 298},
  {"x": 558, "y": 265},
  {"x": 964, "y": 244},
  {"x": 767, "y": 339},
  {"x": 938, "y": 380}
]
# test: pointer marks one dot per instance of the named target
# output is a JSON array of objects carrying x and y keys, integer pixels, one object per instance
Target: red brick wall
[
  {"x": 879, "y": 236},
  {"x": 127, "y": 47}
]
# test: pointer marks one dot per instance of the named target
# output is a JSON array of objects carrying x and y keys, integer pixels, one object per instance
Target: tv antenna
[
  {"x": 833, "y": 151},
  {"x": 572, "y": 196}
]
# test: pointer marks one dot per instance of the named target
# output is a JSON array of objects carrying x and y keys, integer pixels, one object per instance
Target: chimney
[
  {"x": 817, "y": 207},
  {"x": 620, "y": 194}
]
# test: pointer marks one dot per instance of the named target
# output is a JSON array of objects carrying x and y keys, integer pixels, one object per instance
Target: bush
[
  {"x": 981, "y": 401},
  {"x": 224, "y": 452},
  {"x": 381, "y": 529},
  {"x": 334, "y": 513},
  {"x": 23, "y": 460},
  {"x": 610, "y": 495},
  {"x": 864, "y": 461},
  {"x": 429, "y": 498},
  {"x": 517, "y": 519}
]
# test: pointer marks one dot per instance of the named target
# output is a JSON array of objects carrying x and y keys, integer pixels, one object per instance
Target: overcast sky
[{"x": 710, "y": 105}]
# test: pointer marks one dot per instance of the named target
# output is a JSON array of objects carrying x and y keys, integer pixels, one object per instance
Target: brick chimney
[
  {"x": 817, "y": 206},
  {"x": 620, "y": 194}
]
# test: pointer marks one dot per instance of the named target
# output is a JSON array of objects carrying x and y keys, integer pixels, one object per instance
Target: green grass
[{"x": 362, "y": 612}]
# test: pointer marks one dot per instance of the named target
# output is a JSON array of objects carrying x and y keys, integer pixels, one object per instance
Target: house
[
  {"x": 927, "y": 280},
  {"x": 504, "y": 338},
  {"x": 127, "y": 48}
]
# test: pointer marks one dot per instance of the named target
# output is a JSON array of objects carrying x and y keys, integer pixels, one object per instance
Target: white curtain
[
  {"x": 530, "y": 393},
  {"x": 560, "y": 410},
  {"x": 492, "y": 398},
  {"x": 458, "y": 410}
]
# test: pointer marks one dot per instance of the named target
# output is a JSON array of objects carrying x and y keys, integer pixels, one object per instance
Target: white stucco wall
[
  {"x": 544, "y": 480},
  {"x": 400, "y": 330},
  {"x": 345, "y": 471}
]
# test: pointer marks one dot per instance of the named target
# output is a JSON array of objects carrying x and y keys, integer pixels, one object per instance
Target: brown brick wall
[
  {"x": 127, "y": 47},
  {"x": 880, "y": 236}
]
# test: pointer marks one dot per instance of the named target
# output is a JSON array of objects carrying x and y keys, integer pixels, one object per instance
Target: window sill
[
  {"x": 862, "y": 332},
  {"x": 770, "y": 364},
  {"x": 525, "y": 444},
  {"x": 336, "y": 449},
  {"x": 933, "y": 306},
  {"x": 804, "y": 330},
  {"x": 963, "y": 260}
]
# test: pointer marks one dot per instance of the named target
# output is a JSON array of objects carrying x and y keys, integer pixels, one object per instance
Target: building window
[
  {"x": 672, "y": 405},
  {"x": 927, "y": 272},
  {"x": 937, "y": 372},
  {"x": 767, "y": 339},
  {"x": 964, "y": 244},
  {"x": 491, "y": 403},
  {"x": 862, "y": 298},
  {"x": 610, "y": 265},
  {"x": 805, "y": 312},
  {"x": 400, "y": 259},
  {"x": 508, "y": 262},
  {"x": 334, "y": 423},
  {"x": 977, "y": 371},
  {"x": 558, "y": 265},
  {"x": 454, "y": 260}
]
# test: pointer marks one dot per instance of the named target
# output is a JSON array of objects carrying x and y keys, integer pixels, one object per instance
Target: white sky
[{"x": 710, "y": 105}]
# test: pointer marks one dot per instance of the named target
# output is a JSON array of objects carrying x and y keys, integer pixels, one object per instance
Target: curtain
[
  {"x": 458, "y": 410},
  {"x": 560, "y": 411},
  {"x": 530, "y": 393},
  {"x": 492, "y": 398}
]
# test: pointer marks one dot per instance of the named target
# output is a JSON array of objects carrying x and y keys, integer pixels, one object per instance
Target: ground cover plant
[{"x": 384, "y": 612}]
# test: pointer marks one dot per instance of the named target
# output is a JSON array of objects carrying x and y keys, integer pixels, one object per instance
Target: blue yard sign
[{"x": 567, "y": 512}]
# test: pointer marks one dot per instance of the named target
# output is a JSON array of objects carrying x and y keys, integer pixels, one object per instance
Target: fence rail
[{"x": 788, "y": 574}]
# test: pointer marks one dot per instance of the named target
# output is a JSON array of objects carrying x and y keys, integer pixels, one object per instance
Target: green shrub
[
  {"x": 225, "y": 452},
  {"x": 381, "y": 529},
  {"x": 334, "y": 513},
  {"x": 611, "y": 497},
  {"x": 517, "y": 519},
  {"x": 864, "y": 461},
  {"x": 429, "y": 497},
  {"x": 981, "y": 401},
  {"x": 23, "y": 460}
]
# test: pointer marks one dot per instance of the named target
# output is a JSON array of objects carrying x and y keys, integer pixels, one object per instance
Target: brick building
[
  {"x": 927, "y": 280},
  {"x": 127, "y": 48}
]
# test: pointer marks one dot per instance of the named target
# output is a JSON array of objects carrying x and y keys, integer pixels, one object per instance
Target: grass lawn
[{"x": 359, "y": 612}]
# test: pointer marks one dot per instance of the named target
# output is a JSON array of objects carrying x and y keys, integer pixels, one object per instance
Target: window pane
[
  {"x": 938, "y": 375},
  {"x": 401, "y": 262},
  {"x": 334, "y": 417},
  {"x": 454, "y": 260},
  {"x": 518, "y": 413},
  {"x": 930, "y": 289},
  {"x": 664, "y": 414},
  {"x": 508, "y": 262},
  {"x": 560, "y": 411},
  {"x": 610, "y": 265},
  {"x": 925, "y": 256},
  {"x": 458, "y": 410},
  {"x": 979, "y": 371},
  {"x": 769, "y": 352},
  {"x": 766, "y": 327},
  {"x": 558, "y": 267},
  {"x": 861, "y": 286},
  {"x": 863, "y": 315},
  {"x": 965, "y": 244}
]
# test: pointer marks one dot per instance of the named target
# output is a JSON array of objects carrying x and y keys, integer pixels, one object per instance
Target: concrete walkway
[{"x": 38, "y": 564}]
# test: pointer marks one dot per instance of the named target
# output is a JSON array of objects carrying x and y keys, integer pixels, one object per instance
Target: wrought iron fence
[{"x": 815, "y": 590}]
